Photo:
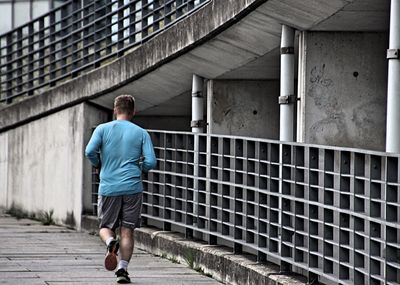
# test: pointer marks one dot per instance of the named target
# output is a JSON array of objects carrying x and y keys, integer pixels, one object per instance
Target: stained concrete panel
[
  {"x": 244, "y": 108},
  {"x": 345, "y": 101},
  {"x": 44, "y": 161}
]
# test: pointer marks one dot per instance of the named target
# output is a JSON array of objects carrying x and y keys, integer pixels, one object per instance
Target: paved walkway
[{"x": 31, "y": 253}]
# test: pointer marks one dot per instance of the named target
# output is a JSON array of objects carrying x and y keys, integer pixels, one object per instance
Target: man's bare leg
[
  {"x": 126, "y": 244},
  {"x": 105, "y": 234}
]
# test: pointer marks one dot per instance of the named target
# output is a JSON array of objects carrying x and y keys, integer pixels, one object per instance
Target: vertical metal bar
[
  {"x": 393, "y": 100},
  {"x": 197, "y": 117},
  {"x": 120, "y": 27},
  {"x": 286, "y": 99},
  {"x": 30, "y": 59},
  {"x": 52, "y": 57},
  {"x": 20, "y": 63},
  {"x": 100, "y": 30},
  {"x": 88, "y": 24},
  {"x": 76, "y": 37},
  {"x": 301, "y": 87},
  {"x": 9, "y": 68},
  {"x": 197, "y": 104},
  {"x": 144, "y": 19},
  {"x": 41, "y": 52},
  {"x": 65, "y": 12},
  {"x": 132, "y": 25}
]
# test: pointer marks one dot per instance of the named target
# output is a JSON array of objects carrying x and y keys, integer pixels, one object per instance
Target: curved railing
[{"x": 79, "y": 36}]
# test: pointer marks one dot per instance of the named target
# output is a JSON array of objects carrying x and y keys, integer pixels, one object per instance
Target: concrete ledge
[
  {"x": 217, "y": 261},
  {"x": 90, "y": 224}
]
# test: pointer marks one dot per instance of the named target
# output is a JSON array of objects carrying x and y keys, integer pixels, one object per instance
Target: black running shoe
[
  {"x": 110, "y": 261},
  {"x": 122, "y": 276}
]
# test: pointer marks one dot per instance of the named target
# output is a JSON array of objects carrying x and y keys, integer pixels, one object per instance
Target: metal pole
[
  {"x": 286, "y": 102},
  {"x": 197, "y": 125},
  {"x": 393, "y": 100},
  {"x": 287, "y": 98}
]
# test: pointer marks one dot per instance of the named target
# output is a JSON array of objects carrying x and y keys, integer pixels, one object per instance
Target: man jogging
[{"x": 125, "y": 151}]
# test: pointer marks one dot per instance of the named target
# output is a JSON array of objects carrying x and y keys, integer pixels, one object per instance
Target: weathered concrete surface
[
  {"x": 42, "y": 166},
  {"x": 218, "y": 261},
  {"x": 345, "y": 90},
  {"x": 244, "y": 108},
  {"x": 33, "y": 254}
]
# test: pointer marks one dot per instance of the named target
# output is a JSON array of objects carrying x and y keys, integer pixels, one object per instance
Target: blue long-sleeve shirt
[{"x": 120, "y": 144}]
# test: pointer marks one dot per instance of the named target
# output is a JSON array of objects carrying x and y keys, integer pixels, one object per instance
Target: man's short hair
[{"x": 124, "y": 104}]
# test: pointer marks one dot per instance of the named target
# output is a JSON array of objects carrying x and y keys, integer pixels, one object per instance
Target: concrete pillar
[
  {"x": 287, "y": 98},
  {"x": 393, "y": 100},
  {"x": 197, "y": 123}
]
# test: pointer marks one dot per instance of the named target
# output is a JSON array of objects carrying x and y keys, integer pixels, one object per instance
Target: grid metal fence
[
  {"x": 332, "y": 214},
  {"x": 79, "y": 36}
]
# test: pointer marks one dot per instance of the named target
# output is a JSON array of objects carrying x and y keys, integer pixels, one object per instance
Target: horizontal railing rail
[
  {"x": 332, "y": 214},
  {"x": 77, "y": 37}
]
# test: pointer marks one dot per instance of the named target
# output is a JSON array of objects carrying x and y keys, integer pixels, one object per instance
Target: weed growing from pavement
[
  {"x": 47, "y": 218},
  {"x": 189, "y": 257}
]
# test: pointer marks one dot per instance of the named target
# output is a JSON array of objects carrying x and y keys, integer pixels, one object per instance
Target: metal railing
[
  {"x": 77, "y": 37},
  {"x": 332, "y": 214}
]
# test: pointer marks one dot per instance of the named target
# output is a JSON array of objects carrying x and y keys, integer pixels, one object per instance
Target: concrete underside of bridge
[{"x": 342, "y": 74}]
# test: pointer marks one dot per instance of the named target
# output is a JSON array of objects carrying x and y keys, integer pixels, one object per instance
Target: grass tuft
[{"x": 47, "y": 218}]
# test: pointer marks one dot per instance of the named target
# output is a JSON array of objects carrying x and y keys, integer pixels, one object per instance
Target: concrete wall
[
  {"x": 345, "y": 89},
  {"x": 42, "y": 164},
  {"x": 244, "y": 108}
]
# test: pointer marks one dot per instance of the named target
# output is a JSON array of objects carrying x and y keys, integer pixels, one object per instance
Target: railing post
[
  {"x": 30, "y": 59},
  {"x": 52, "y": 57},
  {"x": 20, "y": 84},
  {"x": 196, "y": 125},
  {"x": 40, "y": 65},
  {"x": 287, "y": 102},
  {"x": 9, "y": 68},
  {"x": 76, "y": 36},
  {"x": 393, "y": 100}
]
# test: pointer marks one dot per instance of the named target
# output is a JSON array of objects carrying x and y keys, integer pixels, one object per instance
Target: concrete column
[
  {"x": 287, "y": 98},
  {"x": 393, "y": 100},
  {"x": 197, "y": 123}
]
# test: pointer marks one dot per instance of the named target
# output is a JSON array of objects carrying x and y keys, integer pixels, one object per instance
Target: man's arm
[
  {"x": 93, "y": 147},
  {"x": 149, "y": 158}
]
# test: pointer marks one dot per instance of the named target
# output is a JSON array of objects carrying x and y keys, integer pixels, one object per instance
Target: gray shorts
[{"x": 114, "y": 211}]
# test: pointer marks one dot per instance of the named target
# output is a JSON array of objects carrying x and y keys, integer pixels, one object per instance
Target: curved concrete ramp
[{"x": 220, "y": 37}]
